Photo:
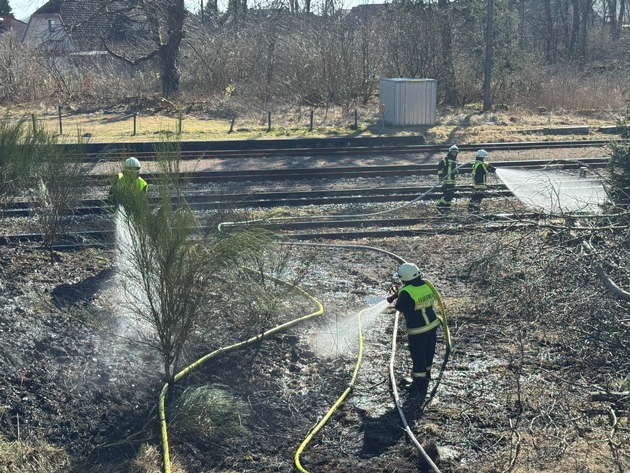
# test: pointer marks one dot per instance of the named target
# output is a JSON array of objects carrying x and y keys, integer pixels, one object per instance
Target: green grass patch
[{"x": 211, "y": 413}]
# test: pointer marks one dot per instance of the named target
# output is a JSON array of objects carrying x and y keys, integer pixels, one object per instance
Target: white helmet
[
  {"x": 454, "y": 148},
  {"x": 408, "y": 272},
  {"x": 482, "y": 153},
  {"x": 132, "y": 163}
]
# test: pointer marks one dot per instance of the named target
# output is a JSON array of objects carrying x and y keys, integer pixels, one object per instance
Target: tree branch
[{"x": 133, "y": 62}]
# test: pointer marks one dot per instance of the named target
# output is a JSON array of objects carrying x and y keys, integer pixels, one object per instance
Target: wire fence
[{"x": 147, "y": 125}]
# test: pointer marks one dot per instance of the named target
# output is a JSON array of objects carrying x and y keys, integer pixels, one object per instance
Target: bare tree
[
  {"x": 155, "y": 29},
  {"x": 171, "y": 270}
]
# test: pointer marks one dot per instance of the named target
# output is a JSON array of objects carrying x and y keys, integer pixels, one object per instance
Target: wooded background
[{"x": 556, "y": 54}]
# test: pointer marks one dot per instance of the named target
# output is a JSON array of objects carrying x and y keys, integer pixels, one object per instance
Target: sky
[{"x": 23, "y": 9}]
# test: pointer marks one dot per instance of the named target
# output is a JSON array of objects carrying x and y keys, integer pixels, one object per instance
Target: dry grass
[
  {"x": 32, "y": 457},
  {"x": 460, "y": 126},
  {"x": 149, "y": 460}
]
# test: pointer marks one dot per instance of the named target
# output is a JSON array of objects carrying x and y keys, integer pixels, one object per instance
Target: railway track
[
  {"x": 309, "y": 229},
  {"x": 309, "y": 147},
  {"x": 352, "y": 172},
  {"x": 202, "y": 200},
  {"x": 215, "y": 201}
]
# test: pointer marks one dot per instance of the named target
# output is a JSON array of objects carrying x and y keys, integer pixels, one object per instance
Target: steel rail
[
  {"x": 376, "y": 228},
  {"x": 305, "y": 147},
  {"x": 200, "y": 202},
  {"x": 341, "y": 172}
]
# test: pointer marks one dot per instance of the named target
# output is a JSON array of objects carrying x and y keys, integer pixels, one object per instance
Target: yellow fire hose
[
  {"x": 204, "y": 359},
  {"x": 201, "y": 361},
  {"x": 334, "y": 407},
  {"x": 322, "y": 422},
  {"x": 447, "y": 340},
  {"x": 441, "y": 315}
]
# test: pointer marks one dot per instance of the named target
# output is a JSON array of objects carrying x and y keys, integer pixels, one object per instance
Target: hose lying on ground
[
  {"x": 201, "y": 361},
  {"x": 334, "y": 407}
]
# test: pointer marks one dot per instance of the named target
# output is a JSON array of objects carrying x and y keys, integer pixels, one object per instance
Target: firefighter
[
  {"x": 480, "y": 173},
  {"x": 415, "y": 301},
  {"x": 447, "y": 173},
  {"x": 129, "y": 185}
]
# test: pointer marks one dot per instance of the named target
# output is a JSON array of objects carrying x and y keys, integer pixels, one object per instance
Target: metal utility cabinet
[{"x": 408, "y": 101}]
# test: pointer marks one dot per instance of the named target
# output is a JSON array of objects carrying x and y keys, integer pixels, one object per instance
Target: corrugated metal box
[{"x": 408, "y": 101}]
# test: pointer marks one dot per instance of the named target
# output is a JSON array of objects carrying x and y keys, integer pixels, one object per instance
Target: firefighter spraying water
[
  {"x": 415, "y": 299},
  {"x": 129, "y": 187},
  {"x": 479, "y": 174}
]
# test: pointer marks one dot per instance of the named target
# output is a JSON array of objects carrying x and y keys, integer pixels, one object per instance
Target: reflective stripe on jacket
[
  {"x": 139, "y": 183},
  {"x": 446, "y": 169},
  {"x": 422, "y": 318},
  {"x": 479, "y": 175}
]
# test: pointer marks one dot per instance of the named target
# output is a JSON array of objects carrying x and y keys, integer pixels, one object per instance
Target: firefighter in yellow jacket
[
  {"x": 129, "y": 188},
  {"x": 415, "y": 301},
  {"x": 480, "y": 173},
  {"x": 447, "y": 172}
]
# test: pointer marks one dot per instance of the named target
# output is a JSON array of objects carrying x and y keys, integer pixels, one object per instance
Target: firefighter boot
[
  {"x": 419, "y": 388},
  {"x": 405, "y": 383}
]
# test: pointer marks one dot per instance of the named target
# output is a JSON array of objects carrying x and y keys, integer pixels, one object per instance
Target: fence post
[
  {"x": 356, "y": 119},
  {"x": 232, "y": 124},
  {"x": 310, "y": 128},
  {"x": 135, "y": 115},
  {"x": 34, "y": 120},
  {"x": 179, "y": 124},
  {"x": 269, "y": 121},
  {"x": 59, "y": 116}
]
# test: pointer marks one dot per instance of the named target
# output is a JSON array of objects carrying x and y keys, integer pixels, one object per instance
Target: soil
[{"x": 513, "y": 393}]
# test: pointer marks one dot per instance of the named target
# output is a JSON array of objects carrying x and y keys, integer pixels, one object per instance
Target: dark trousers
[
  {"x": 475, "y": 200},
  {"x": 422, "y": 350},
  {"x": 448, "y": 194}
]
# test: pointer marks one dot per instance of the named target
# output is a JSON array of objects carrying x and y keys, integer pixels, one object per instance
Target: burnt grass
[{"x": 535, "y": 336}]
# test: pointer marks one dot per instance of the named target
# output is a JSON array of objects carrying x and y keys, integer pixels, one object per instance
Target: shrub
[
  {"x": 211, "y": 413},
  {"x": 619, "y": 174}
]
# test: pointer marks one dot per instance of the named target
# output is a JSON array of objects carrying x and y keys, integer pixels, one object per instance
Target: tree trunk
[
  {"x": 611, "y": 12},
  {"x": 575, "y": 29},
  {"x": 448, "y": 69},
  {"x": 487, "y": 68},
  {"x": 169, "y": 50},
  {"x": 550, "y": 39},
  {"x": 619, "y": 22},
  {"x": 587, "y": 7},
  {"x": 521, "y": 24}
]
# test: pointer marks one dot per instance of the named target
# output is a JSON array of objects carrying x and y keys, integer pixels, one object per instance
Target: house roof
[
  {"x": 8, "y": 23},
  {"x": 52, "y": 6},
  {"x": 87, "y": 22},
  {"x": 365, "y": 12}
]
